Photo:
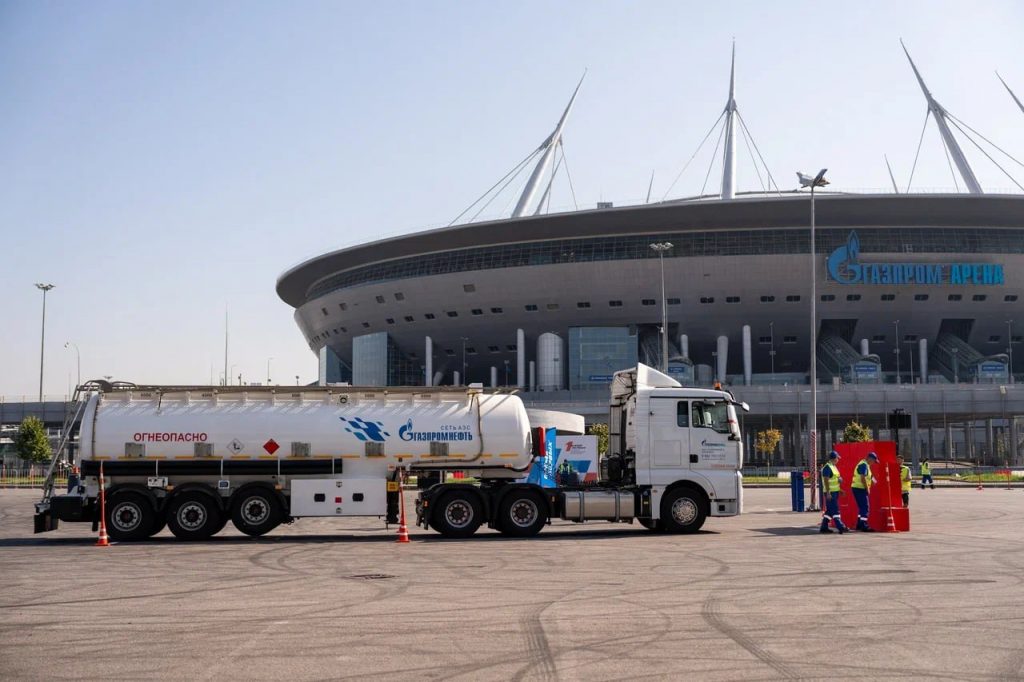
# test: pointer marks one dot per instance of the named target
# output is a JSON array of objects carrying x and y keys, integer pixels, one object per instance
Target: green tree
[
  {"x": 601, "y": 431},
  {"x": 767, "y": 441},
  {"x": 31, "y": 442},
  {"x": 855, "y": 432}
]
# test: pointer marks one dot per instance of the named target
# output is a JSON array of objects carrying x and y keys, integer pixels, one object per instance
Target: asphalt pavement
[{"x": 756, "y": 597}]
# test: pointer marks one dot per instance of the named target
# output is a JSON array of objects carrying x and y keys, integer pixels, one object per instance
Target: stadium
[{"x": 916, "y": 296}]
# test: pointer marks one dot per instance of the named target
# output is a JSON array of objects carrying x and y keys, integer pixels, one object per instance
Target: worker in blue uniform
[
  {"x": 831, "y": 490},
  {"x": 863, "y": 479}
]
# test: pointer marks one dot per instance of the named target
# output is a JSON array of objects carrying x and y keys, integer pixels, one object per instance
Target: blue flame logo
[{"x": 843, "y": 266}]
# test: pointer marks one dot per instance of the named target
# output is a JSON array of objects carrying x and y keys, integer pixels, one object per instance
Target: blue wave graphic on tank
[
  {"x": 843, "y": 264},
  {"x": 365, "y": 430}
]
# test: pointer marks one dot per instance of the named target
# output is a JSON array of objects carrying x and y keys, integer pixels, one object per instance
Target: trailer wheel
[
  {"x": 255, "y": 512},
  {"x": 193, "y": 516},
  {"x": 682, "y": 511},
  {"x": 521, "y": 514},
  {"x": 457, "y": 515},
  {"x": 161, "y": 523},
  {"x": 129, "y": 516}
]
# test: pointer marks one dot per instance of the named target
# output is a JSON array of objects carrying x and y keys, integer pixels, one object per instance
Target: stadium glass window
[
  {"x": 324, "y": 310},
  {"x": 399, "y": 296},
  {"x": 380, "y": 299},
  {"x": 954, "y": 297},
  {"x": 449, "y": 352},
  {"x": 878, "y": 338},
  {"x": 853, "y": 297},
  {"x": 477, "y": 311},
  {"x": 511, "y": 347},
  {"x": 344, "y": 330},
  {"x": 530, "y": 308},
  {"x": 343, "y": 306},
  {"x": 366, "y": 325},
  {"x": 979, "y": 297},
  {"x": 469, "y": 288},
  {"x": 451, "y": 313},
  {"x": 673, "y": 301},
  {"x": 994, "y": 338},
  {"x": 583, "y": 304},
  {"x": 828, "y": 297},
  {"x": 910, "y": 337},
  {"x": 497, "y": 311},
  {"x": 793, "y": 298},
  {"x": 390, "y": 320},
  {"x": 552, "y": 306},
  {"x": 788, "y": 339},
  {"x": 1016, "y": 338},
  {"x": 707, "y": 299},
  {"x": 614, "y": 304},
  {"x": 1009, "y": 298},
  {"x": 888, "y": 297},
  {"x": 648, "y": 301},
  {"x": 471, "y": 350},
  {"x": 410, "y": 318},
  {"x": 494, "y": 349},
  {"x": 732, "y": 299},
  {"x": 920, "y": 297},
  {"x": 428, "y": 316},
  {"x": 767, "y": 299},
  {"x": 765, "y": 340}
]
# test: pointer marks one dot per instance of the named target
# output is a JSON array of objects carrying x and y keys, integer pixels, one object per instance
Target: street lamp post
[
  {"x": 812, "y": 422},
  {"x": 506, "y": 372},
  {"x": 661, "y": 248},
  {"x": 911, "y": 356},
  {"x": 42, "y": 339},
  {"x": 268, "y": 370},
  {"x": 896, "y": 350},
  {"x": 78, "y": 358},
  {"x": 465, "y": 379},
  {"x": 1009, "y": 347}
]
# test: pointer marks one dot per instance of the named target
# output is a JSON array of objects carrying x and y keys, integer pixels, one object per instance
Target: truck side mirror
[{"x": 539, "y": 446}]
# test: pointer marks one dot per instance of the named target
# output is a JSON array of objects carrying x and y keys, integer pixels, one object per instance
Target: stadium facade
[{"x": 918, "y": 306}]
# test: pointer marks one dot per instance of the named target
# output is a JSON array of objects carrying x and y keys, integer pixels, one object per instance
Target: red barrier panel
[{"x": 885, "y": 494}]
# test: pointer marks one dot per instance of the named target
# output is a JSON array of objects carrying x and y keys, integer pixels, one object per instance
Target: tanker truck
[{"x": 193, "y": 458}]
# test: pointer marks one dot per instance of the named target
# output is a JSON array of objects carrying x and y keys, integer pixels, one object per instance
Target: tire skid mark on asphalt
[
  {"x": 538, "y": 650},
  {"x": 712, "y": 615}
]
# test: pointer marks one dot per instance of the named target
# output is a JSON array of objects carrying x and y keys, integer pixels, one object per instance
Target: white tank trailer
[{"x": 193, "y": 458}]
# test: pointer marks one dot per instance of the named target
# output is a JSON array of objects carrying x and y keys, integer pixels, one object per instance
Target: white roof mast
[
  {"x": 549, "y": 145},
  {"x": 1019, "y": 103},
  {"x": 729, "y": 153},
  {"x": 939, "y": 113}
]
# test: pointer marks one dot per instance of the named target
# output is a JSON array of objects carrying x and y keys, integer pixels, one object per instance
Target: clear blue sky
[{"x": 164, "y": 160}]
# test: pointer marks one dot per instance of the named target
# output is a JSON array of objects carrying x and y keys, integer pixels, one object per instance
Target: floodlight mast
[{"x": 729, "y": 152}]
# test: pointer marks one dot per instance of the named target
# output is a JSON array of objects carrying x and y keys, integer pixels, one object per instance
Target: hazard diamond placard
[{"x": 271, "y": 446}]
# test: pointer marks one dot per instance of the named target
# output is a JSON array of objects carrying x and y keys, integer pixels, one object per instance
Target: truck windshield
[{"x": 717, "y": 416}]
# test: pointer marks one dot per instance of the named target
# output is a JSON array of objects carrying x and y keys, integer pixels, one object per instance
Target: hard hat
[
  {"x": 833, "y": 455},
  {"x": 873, "y": 456}
]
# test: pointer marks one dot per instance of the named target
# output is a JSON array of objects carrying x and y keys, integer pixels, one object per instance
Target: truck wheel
[
  {"x": 193, "y": 516},
  {"x": 129, "y": 516},
  {"x": 256, "y": 512},
  {"x": 682, "y": 511},
  {"x": 160, "y": 524},
  {"x": 458, "y": 514},
  {"x": 522, "y": 514}
]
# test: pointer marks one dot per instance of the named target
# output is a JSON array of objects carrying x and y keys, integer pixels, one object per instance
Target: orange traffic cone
[
  {"x": 403, "y": 531},
  {"x": 890, "y": 523},
  {"x": 103, "y": 540}
]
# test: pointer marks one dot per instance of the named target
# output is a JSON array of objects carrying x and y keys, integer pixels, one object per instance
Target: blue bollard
[{"x": 796, "y": 489}]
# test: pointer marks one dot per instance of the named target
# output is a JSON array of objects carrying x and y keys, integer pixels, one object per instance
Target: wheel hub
[
  {"x": 458, "y": 513},
  {"x": 684, "y": 511},
  {"x": 126, "y": 517},
  {"x": 192, "y": 516},
  {"x": 524, "y": 513},
  {"x": 255, "y": 511}
]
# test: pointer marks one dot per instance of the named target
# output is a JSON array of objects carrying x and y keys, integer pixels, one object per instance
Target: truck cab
[{"x": 681, "y": 447}]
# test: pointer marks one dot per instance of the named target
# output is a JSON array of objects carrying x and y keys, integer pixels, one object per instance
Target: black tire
[
  {"x": 130, "y": 516},
  {"x": 458, "y": 514},
  {"x": 161, "y": 523},
  {"x": 653, "y": 525},
  {"x": 522, "y": 514},
  {"x": 193, "y": 516},
  {"x": 683, "y": 511},
  {"x": 255, "y": 511}
]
